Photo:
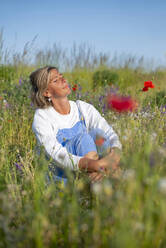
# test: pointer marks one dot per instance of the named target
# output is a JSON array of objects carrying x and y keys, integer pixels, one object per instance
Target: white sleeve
[
  {"x": 46, "y": 137},
  {"x": 95, "y": 120}
]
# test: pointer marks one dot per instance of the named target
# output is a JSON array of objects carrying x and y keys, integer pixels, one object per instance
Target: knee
[{"x": 92, "y": 155}]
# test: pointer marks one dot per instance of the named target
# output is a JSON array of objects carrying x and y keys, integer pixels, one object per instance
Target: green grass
[{"x": 124, "y": 212}]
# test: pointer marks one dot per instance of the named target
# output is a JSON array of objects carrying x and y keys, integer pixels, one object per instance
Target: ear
[{"x": 46, "y": 94}]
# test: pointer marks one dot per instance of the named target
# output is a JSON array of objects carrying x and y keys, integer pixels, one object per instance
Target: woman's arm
[{"x": 46, "y": 137}]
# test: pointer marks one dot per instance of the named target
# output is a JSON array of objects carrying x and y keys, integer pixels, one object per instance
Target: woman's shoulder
[
  {"x": 42, "y": 113},
  {"x": 87, "y": 109},
  {"x": 83, "y": 104}
]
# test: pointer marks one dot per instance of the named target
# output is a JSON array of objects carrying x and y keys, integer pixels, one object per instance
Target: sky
[{"x": 135, "y": 27}]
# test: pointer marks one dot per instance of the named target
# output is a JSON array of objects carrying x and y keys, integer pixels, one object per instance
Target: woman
[{"x": 68, "y": 130}]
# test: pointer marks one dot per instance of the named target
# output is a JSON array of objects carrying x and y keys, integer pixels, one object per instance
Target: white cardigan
[{"x": 48, "y": 121}]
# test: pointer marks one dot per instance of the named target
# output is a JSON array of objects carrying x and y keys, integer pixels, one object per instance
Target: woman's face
[{"x": 58, "y": 86}]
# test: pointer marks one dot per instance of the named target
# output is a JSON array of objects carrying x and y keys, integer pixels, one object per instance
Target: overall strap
[{"x": 81, "y": 117}]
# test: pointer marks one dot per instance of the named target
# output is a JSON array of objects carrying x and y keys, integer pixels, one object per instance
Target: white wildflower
[
  {"x": 58, "y": 202},
  {"x": 84, "y": 227},
  {"x": 162, "y": 185},
  {"x": 162, "y": 151},
  {"x": 80, "y": 185},
  {"x": 153, "y": 136},
  {"x": 107, "y": 188},
  {"x": 124, "y": 137},
  {"x": 96, "y": 188},
  {"x": 138, "y": 226},
  {"x": 128, "y": 175}
]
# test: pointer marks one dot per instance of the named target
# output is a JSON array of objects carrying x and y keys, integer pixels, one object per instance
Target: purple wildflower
[
  {"x": 101, "y": 98},
  {"x": 20, "y": 81},
  {"x": 79, "y": 88},
  {"x": 86, "y": 94},
  {"x": 6, "y": 104},
  {"x": 104, "y": 108},
  {"x": 163, "y": 109},
  {"x": 19, "y": 166},
  {"x": 78, "y": 95},
  {"x": 114, "y": 90}
]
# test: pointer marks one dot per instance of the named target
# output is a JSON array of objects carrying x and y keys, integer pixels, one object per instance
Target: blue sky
[{"x": 113, "y": 26}]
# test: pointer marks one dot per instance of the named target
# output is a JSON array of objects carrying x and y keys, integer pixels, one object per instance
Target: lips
[{"x": 67, "y": 86}]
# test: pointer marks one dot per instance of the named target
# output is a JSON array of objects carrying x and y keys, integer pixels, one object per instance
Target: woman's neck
[{"x": 62, "y": 106}]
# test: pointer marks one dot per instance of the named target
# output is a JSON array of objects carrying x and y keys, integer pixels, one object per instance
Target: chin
[{"x": 69, "y": 91}]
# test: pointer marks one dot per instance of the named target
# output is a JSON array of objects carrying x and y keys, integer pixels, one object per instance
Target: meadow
[{"x": 127, "y": 211}]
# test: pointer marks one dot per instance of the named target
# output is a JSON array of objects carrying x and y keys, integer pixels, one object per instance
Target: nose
[{"x": 63, "y": 79}]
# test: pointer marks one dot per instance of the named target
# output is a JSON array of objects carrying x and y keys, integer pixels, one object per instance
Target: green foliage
[
  {"x": 7, "y": 73},
  {"x": 104, "y": 77},
  {"x": 128, "y": 211},
  {"x": 158, "y": 99}
]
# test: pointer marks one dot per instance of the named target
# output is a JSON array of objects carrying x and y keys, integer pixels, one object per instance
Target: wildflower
[
  {"x": 145, "y": 89},
  {"x": 20, "y": 81},
  {"x": 107, "y": 188},
  {"x": 101, "y": 98},
  {"x": 96, "y": 188},
  {"x": 139, "y": 226},
  {"x": 103, "y": 108},
  {"x": 163, "y": 109},
  {"x": 19, "y": 166},
  {"x": 74, "y": 88},
  {"x": 84, "y": 227},
  {"x": 79, "y": 88},
  {"x": 121, "y": 103},
  {"x": 58, "y": 202},
  {"x": 162, "y": 185},
  {"x": 128, "y": 175},
  {"x": 80, "y": 185},
  {"x": 153, "y": 136},
  {"x": 124, "y": 137},
  {"x": 6, "y": 104},
  {"x": 32, "y": 105},
  {"x": 147, "y": 85}
]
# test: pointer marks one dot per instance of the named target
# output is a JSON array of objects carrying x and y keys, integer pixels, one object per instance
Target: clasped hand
[{"x": 108, "y": 165}]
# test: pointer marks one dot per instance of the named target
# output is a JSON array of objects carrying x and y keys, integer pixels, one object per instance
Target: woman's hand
[
  {"x": 110, "y": 163},
  {"x": 89, "y": 165},
  {"x": 104, "y": 166},
  {"x": 96, "y": 176}
]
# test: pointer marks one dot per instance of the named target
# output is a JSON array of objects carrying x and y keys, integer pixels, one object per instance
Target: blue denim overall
[{"x": 78, "y": 141}]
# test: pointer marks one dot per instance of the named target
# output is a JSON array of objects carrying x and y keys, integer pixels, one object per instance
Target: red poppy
[
  {"x": 148, "y": 84},
  {"x": 145, "y": 89},
  {"x": 121, "y": 103},
  {"x": 99, "y": 141},
  {"x": 74, "y": 88}
]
